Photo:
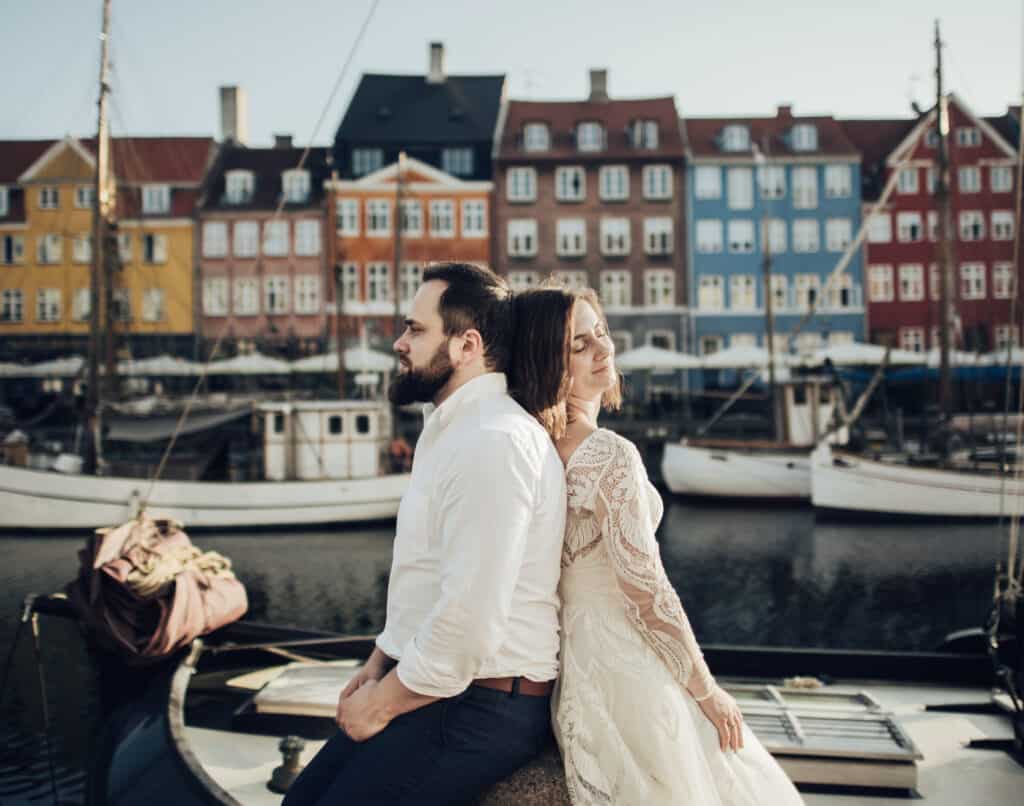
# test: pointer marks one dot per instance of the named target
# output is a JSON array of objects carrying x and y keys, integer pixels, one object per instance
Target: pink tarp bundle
[{"x": 146, "y": 591}]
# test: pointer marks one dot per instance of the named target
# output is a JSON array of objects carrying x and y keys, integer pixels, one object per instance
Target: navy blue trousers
[{"x": 445, "y": 753}]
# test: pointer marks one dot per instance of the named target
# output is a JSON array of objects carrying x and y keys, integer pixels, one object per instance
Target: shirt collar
[{"x": 483, "y": 387}]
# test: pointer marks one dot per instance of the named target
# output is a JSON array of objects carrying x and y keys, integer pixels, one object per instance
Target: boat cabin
[
  {"x": 325, "y": 439},
  {"x": 810, "y": 406}
]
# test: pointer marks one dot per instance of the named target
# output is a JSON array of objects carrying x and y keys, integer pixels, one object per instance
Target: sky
[{"x": 869, "y": 58}]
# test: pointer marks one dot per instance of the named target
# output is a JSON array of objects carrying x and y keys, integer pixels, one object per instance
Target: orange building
[{"x": 443, "y": 218}]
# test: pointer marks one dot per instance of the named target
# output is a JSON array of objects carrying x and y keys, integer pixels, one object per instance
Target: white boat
[
  {"x": 850, "y": 483},
  {"x": 324, "y": 462}
]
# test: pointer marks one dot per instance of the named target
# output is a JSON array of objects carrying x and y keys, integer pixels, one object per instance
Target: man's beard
[{"x": 422, "y": 385}]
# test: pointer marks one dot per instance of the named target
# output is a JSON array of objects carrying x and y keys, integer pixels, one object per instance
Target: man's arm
[{"x": 370, "y": 707}]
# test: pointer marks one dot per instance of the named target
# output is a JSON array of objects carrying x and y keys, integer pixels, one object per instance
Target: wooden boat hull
[
  {"x": 33, "y": 499},
  {"x": 733, "y": 473},
  {"x": 846, "y": 483}
]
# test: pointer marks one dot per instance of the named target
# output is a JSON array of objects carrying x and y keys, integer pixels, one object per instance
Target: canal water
[{"x": 746, "y": 575}]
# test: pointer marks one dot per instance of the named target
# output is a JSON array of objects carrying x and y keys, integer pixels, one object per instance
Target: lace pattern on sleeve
[{"x": 628, "y": 510}]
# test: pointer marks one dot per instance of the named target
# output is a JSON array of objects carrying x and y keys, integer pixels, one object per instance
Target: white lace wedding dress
[{"x": 628, "y": 727}]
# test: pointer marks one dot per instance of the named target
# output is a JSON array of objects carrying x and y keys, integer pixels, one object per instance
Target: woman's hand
[{"x": 723, "y": 712}]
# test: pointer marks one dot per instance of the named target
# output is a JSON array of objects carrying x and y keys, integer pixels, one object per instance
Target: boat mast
[
  {"x": 766, "y": 271},
  {"x": 944, "y": 251},
  {"x": 399, "y": 181}
]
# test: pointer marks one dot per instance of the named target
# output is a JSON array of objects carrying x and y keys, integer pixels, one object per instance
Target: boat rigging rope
[{"x": 144, "y": 500}]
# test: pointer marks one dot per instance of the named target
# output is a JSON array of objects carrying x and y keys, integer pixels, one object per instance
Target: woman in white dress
[{"x": 637, "y": 714}]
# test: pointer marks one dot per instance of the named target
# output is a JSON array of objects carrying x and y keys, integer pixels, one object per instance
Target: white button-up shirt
[{"x": 477, "y": 554}]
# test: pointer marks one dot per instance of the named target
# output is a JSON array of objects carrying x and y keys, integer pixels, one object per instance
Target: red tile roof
[
  {"x": 702, "y": 135},
  {"x": 17, "y": 155},
  {"x": 160, "y": 159},
  {"x": 877, "y": 138},
  {"x": 615, "y": 115}
]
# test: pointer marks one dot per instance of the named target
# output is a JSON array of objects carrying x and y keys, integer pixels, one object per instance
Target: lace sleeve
[{"x": 629, "y": 509}]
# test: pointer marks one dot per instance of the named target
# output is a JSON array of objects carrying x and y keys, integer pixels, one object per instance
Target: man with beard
[{"x": 456, "y": 693}]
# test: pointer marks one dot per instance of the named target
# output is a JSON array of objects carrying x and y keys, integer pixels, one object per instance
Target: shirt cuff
[
  {"x": 386, "y": 645},
  {"x": 414, "y": 673}
]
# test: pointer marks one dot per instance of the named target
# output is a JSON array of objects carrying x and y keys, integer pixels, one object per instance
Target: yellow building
[{"x": 46, "y": 202}]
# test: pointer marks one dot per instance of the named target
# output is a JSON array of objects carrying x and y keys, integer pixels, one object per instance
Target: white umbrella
[
  {"x": 62, "y": 367},
  {"x": 957, "y": 358},
  {"x": 655, "y": 358},
  {"x": 746, "y": 357},
  {"x": 159, "y": 365},
  {"x": 251, "y": 364},
  {"x": 859, "y": 353},
  {"x": 357, "y": 359}
]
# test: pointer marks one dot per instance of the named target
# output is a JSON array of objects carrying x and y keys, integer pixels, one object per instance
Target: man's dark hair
[{"x": 476, "y": 298}]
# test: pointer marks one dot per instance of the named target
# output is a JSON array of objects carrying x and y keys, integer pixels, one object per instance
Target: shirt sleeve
[
  {"x": 485, "y": 506},
  {"x": 629, "y": 509}
]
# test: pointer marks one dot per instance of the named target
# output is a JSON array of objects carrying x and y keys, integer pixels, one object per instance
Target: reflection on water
[{"x": 745, "y": 575}]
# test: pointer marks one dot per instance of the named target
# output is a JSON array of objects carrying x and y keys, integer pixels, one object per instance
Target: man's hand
[
  {"x": 359, "y": 714},
  {"x": 376, "y": 666}
]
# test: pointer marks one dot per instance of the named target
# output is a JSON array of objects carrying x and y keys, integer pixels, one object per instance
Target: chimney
[
  {"x": 282, "y": 141},
  {"x": 785, "y": 111},
  {"x": 599, "y": 85},
  {"x": 234, "y": 113},
  {"x": 436, "y": 73}
]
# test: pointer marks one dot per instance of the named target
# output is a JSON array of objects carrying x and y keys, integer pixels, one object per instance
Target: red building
[{"x": 901, "y": 250}]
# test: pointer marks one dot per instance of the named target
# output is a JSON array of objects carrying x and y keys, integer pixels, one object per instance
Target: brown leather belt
[{"x": 519, "y": 685}]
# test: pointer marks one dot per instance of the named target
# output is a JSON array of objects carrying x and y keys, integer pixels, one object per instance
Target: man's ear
[{"x": 472, "y": 345}]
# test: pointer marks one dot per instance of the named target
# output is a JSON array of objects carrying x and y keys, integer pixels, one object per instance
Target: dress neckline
[{"x": 583, "y": 442}]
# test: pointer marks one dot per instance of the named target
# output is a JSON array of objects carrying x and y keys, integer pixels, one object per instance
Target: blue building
[{"x": 788, "y": 185}]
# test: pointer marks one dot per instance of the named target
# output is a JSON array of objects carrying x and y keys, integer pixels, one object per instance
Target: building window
[
  {"x": 49, "y": 248},
  {"x": 880, "y": 228},
  {"x": 644, "y": 134},
  {"x": 1001, "y": 178},
  {"x": 838, "y": 232},
  {"x": 841, "y": 292},
  {"x": 772, "y": 181},
  {"x": 968, "y": 136},
  {"x": 911, "y": 282},
  {"x": 13, "y": 249},
  {"x": 412, "y": 217},
  {"x": 709, "y": 345},
  {"x": 347, "y": 213},
  {"x": 935, "y": 278},
  {"x": 457, "y": 161},
  {"x": 442, "y": 218},
  {"x": 616, "y": 289},
  {"x": 615, "y": 236},
  {"x": 908, "y": 227},
  {"x": 741, "y": 236},
  {"x": 658, "y": 236},
  {"x": 804, "y": 137},
  {"x": 1002, "y": 225},
  {"x": 623, "y": 341},
  {"x": 1003, "y": 281},
  {"x": 49, "y": 198},
  {"x": 247, "y": 296},
  {"x": 573, "y": 280},
  {"x": 5, "y": 203},
  {"x": 521, "y": 184},
  {"x": 590, "y": 136},
  {"x": 81, "y": 304},
  {"x": 215, "y": 296},
  {"x": 933, "y": 226},
  {"x": 808, "y": 288},
  {"x": 536, "y": 137},
  {"x": 780, "y": 292},
  {"x": 521, "y": 280},
  {"x": 12, "y": 305},
  {"x": 709, "y": 236},
  {"x": 238, "y": 187},
  {"x": 296, "y": 186},
  {"x": 744, "y": 340},
  {"x": 570, "y": 183},
  {"x": 710, "y": 293},
  {"x": 840, "y": 337},
  {"x": 522, "y": 237},
  {"x": 742, "y": 292},
  {"x": 659, "y": 288},
  {"x": 838, "y": 182},
  {"x": 246, "y": 239},
  {"x": 366, "y": 160},
  {"x": 969, "y": 179},
  {"x": 378, "y": 282},
  {"x": 275, "y": 238},
  {"x": 807, "y": 343},
  {"x": 707, "y": 182},
  {"x": 932, "y": 179},
  {"x": 741, "y": 189},
  {"x": 153, "y": 305},
  {"x": 124, "y": 247},
  {"x": 85, "y": 198},
  {"x": 912, "y": 339},
  {"x": 215, "y": 239},
  {"x": 657, "y": 182},
  {"x": 613, "y": 181},
  {"x": 474, "y": 219},
  {"x": 972, "y": 281},
  {"x": 122, "y": 309},
  {"x": 735, "y": 138},
  {"x": 662, "y": 339},
  {"x": 972, "y": 226},
  {"x": 1006, "y": 336},
  {"x": 775, "y": 237},
  {"x": 307, "y": 293},
  {"x": 907, "y": 183},
  {"x": 571, "y": 237},
  {"x": 880, "y": 284},
  {"x": 48, "y": 305},
  {"x": 307, "y": 238},
  {"x": 156, "y": 199},
  {"x": 805, "y": 235},
  {"x": 275, "y": 295},
  {"x": 805, "y": 188},
  {"x": 410, "y": 276},
  {"x": 378, "y": 218},
  {"x": 81, "y": 249},
  {"x": 351, "y": 290}
]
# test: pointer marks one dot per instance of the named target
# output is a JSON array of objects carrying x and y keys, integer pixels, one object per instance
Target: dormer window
[
  {"x": 156, "y": 199},
  {"x": 238, "y": 186},
  {"x": 366, "y": 160},
  {"x": 590, "y": 136},
  {"x": 644, "y": 134},
  {"x": 536, "y": 137},
  {"x": 457, "y": 161},
  {"x": 295, "y": 184},
  {"x": 735, "y": 138},
  {"x": 804, "y": 137},
  {"x": 4, "y": 203}
]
